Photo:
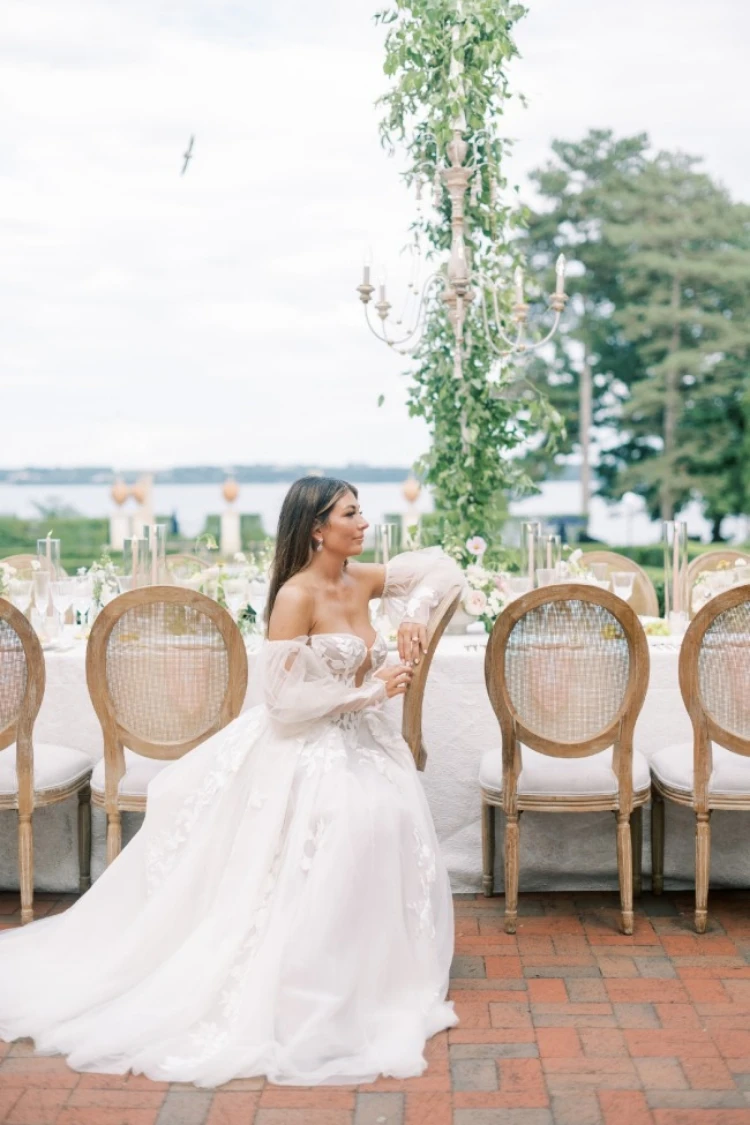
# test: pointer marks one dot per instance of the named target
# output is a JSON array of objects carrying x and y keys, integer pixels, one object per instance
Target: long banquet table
[{"x": 557, "y": 851}]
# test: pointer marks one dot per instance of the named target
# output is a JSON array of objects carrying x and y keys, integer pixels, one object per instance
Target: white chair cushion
[
  {"x": 139, "y": 771},
  {"x": 544, "y": 776},
  {"x": 54, "y": 766},
  {"x": 673, "y": 766}
]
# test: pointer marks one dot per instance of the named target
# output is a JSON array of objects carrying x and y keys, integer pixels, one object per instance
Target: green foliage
[
  {"x": 82, "y": 540},
  {"x": 661, "y": 319},
  {"x": 481, "y": 421},
  {"x": 251, "y": 528}
]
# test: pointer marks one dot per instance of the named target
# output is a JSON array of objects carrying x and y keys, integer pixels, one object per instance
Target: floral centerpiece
[
  {"x": 486, "y": 593},
  {"x": 104, "y": 584},
  {"x": 7, "y": 573},
  {"x": 709, "y": 583}
]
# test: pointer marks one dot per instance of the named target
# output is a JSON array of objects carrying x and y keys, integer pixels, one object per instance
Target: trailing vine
[{"x": 448, "y": 59}]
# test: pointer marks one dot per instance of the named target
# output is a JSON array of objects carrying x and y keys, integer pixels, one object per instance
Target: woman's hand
[
  {"x": 412, "y": 641},
  {"x": 396, "y": 677}
]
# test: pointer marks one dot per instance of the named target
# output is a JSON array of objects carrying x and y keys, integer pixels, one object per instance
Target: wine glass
[
  {"x": 546, "y": 575},
  {"x": 83, "y": 589},
  {"x": 622, "y": 584},
  {"x": 63, "y": 595},
  {"x": 600, "y": 572},
  {"x": 41, "y": 582},
  {"x": 19, "y": 592},
  {"x": 235, "y": 595}
]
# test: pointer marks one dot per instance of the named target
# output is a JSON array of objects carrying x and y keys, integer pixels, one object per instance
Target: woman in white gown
[{"x": 284, "y": 910}]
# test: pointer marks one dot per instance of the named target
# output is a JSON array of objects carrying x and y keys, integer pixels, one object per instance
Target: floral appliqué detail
[
  {"x": 312, "y": 844},
  {"x": 422, "y": 909}
]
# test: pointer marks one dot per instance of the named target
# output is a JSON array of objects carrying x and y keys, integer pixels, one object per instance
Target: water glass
[
  {"x": 83, "y": 590},
  {"x": 600, "y": 572},
  {"x": 622, "y": 584},
  {"x": 519, "y": 584},
  {"x": 546, "y": 576}
]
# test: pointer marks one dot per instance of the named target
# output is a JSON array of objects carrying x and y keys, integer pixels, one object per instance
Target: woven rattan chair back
[
  {"x": 21, "y": 683},
  {"x": 166, "y": 668},
  {"x": 411, "y": 726},
  {"x": 565, "y": 669},
  {"x": 713, "y": 560},
  {"x": 644, "y": 600},
  {"x": 715, "y": 675}
]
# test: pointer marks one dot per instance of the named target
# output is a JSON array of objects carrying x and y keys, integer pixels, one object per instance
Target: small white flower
[
  {"x": 495, "y": 603},
  {"x": 240, "y": 557},
  {"x": 35, "y": 564},
  {"x": 475, "y": 603},
  {"x": 575, "y": 556},
  {"x": 476, "y": 546}
]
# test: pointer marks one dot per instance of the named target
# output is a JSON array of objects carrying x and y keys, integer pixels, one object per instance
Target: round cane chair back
[
  {"x": 166, "y": 668},
  {"x": 21, "y": 678},
  {"x": 644, "y": 600}
]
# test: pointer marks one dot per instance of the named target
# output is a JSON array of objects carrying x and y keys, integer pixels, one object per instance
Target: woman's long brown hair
[{"x": 307, "y": 505}]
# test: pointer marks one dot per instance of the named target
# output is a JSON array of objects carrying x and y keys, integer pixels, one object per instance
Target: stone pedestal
[{"x": 231, "y": 540}]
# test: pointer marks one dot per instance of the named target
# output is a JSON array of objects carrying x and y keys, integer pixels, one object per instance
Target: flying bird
[{"x": 187, "y": 156}]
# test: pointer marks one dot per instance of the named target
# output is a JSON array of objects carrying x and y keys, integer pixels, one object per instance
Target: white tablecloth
[{"x": 557, "y": 851}]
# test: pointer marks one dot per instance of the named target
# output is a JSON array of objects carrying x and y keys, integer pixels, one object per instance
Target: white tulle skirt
[{"x": 283, "y": 911}]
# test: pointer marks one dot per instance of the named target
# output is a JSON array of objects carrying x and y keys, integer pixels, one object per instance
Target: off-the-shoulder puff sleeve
[
  {"x": 416, "y": 581},
  {"x": 298, "y": 686}
]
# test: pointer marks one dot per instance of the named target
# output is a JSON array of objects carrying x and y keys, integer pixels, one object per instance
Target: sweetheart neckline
[{"x": 354, "y": 636}]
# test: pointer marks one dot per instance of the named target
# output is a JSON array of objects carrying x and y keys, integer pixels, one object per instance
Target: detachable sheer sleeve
[
  {"x": 299, "y": 687},
  {"x": 416, "y": 581}
]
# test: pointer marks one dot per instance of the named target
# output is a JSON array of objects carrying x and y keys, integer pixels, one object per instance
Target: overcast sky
[{"x": 149, "y": 319}]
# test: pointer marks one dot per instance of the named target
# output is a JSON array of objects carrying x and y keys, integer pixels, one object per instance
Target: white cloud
[{"x": 153, "y": 318}]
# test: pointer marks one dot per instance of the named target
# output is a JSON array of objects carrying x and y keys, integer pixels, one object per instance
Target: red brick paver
[{"x": 567, "y": 1022}]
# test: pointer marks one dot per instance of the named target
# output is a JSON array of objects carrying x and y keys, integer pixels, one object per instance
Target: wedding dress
[{"x": 284, "y": 909}]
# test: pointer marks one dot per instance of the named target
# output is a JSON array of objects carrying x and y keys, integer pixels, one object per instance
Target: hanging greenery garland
[{"x": 447, "y": 61}]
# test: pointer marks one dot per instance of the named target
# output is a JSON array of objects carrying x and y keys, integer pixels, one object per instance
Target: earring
[{"x": 318, "y": 544}]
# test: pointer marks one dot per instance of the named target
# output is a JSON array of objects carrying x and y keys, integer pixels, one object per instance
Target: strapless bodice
[{"x": 345, "y": 654}]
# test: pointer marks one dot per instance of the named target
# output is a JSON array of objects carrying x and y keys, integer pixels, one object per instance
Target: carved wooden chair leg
[
  {"x": 636, "y": 841},
  {"x": 511, "y": 872},
  {"x": 625, "y": 871},
  {"x": 26, "y": 866},
  {"x": 657, "y": 842},
  {"x": 114, "y": 835},
  {"x": 488, "y": 848},
  {"x": 702, "y": 869},
  {"x": 84, "y": 838}
]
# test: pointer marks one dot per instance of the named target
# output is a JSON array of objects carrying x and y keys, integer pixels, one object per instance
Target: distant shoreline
[{"x": 205, "y": 474}]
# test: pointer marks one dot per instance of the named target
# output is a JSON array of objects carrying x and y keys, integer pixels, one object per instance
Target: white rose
[
  {"x": 475, "y": 603},
  {"x": 495, "y": 602}
]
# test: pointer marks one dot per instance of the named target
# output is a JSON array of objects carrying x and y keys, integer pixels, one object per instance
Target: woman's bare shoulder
[
  {"x": 369, "y": 575},
  {"x": 292, "y": 613}
]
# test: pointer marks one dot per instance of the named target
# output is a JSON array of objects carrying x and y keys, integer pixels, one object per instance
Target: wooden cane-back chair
[
  {"x": 720, "y": 559},
  {"x": 713, "y": 772},
  {"x": 25, "y": 562},
  {"x": 566, "y": 671},
  {"x": 411, "y": 725},
  {"x": 644, "y": 600},
  {"x": 166, "y": 669},
  {"x": 34, "y": 775}
]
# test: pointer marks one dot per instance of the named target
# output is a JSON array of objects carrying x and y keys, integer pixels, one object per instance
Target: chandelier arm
[
  {"x": 503, "y": 353},
  {"x": 393, "y": 342}
]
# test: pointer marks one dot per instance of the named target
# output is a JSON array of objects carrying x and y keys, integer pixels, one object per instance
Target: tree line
[{"x": 658, "y": 326}]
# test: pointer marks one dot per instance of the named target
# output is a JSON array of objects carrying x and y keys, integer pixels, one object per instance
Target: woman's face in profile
[{"x": 344, "y": 532}]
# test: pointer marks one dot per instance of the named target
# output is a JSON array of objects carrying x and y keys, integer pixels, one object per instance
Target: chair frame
[
  {"x": 27, "y": 799},
  {"x": 116, "y": 735},
  {"x": 626, "y": 805},
  {"x": 707, "y": 561},
  {"x": 411, "y": 723},
  {"x": 705, "y": 731},
  {"x": 643, "y": 584}
]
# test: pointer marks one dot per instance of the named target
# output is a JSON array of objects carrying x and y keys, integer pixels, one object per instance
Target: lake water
[{"x": 620, "y": 524}]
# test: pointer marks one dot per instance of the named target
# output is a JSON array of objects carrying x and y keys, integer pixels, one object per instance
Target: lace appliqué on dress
[
  {"x": 163, "y": 849},
  {"x": 422, "y": 909}
]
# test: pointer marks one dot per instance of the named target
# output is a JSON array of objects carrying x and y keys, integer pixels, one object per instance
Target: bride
[{"x": 284, "y": 910}]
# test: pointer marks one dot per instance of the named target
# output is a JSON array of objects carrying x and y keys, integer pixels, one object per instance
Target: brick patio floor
[{"x": 565, "y": 1023}]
